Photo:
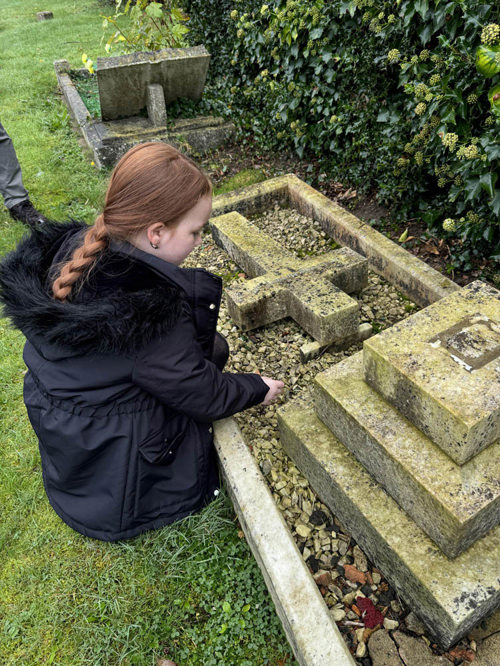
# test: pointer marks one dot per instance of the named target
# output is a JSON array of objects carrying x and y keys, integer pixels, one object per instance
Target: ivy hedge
[{"x": 386, "y": 95}]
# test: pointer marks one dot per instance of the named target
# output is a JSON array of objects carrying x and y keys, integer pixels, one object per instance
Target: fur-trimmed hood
[{"x": 126, "y": 302}]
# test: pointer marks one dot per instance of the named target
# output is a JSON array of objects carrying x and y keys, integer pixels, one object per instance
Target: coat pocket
[{"x": 159, "y": 449}]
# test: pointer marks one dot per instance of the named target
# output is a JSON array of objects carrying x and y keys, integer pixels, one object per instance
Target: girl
[{"x": 124, "y": 362}]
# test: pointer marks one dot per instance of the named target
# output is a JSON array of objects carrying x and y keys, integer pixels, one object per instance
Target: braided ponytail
[{"x": 94, "y": 242}]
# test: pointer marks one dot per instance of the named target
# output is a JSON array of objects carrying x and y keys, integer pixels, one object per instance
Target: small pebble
[{"x": 390, "y": 624}]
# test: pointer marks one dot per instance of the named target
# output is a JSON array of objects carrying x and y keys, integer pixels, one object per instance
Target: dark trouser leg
[
  {"x": 221, "y": 351},
  {"x": 11, "y": 182}
]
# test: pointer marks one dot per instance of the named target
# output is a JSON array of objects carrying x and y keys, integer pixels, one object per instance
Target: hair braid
[{"x": 94, "y": 242}]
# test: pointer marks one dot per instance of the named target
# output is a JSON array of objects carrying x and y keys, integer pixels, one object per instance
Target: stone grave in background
[
  {"x": 401, "y": 442},
  {"x": 134, "y": 90},
  {"x": 313, "y": 292}
]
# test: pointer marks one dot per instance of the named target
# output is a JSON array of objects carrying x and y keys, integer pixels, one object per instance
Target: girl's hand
[{"x": 276, "y": 387}]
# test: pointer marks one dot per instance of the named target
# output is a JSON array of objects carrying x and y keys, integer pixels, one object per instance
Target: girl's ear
[{"x": 156, "y": 232}]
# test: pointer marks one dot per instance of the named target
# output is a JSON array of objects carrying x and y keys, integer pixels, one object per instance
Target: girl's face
[{"x": 175, "y": 243}]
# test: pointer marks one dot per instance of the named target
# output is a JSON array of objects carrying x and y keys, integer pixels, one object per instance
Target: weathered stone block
[
  {"x": 155, "y": 102},
  {"x": 441, "y": 369},
  {"x": 311, "y": 291},
  {"x": 453, "y": 504},
  {"x": 123, "y": 80},
  {"x": 449, "y": 596}
]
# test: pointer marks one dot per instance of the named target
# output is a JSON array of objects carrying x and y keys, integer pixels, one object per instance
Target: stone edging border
[{"x": 311, "y": 631}]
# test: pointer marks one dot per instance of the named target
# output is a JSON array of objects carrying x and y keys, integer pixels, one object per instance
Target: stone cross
[{"x": 311, "y": 291}]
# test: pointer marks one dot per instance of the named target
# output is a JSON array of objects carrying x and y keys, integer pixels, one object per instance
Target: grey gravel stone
[
  {"x": 390, "y": 625},
  {"x": 488, "y": 651},
  {"x": 414, "y": 624},
  {"x": 414, "y": 652},
  {"x": 360, "y": 561},
  {"x": 383, "y": 650}
]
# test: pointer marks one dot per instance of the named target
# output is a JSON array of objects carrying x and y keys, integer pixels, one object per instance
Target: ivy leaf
[
  {"x": 488, "y": 181},
  {"x": 473, "y": 188},
  {"x": 425, "y": 34},
  {"x": 495, "y": 204},
  {"x": 422, "y": 7},
  {"x": 488, "y": 234},
  {"x": 449, "y": 116},
  {"x": 316, "y": 33}
]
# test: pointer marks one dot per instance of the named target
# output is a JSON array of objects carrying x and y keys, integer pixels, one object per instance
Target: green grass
[
  {"x": 241, "y": 179},
  {"x": 191, "y": 591}
]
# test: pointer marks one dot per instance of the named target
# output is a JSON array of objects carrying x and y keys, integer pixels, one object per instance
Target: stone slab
[
  {"x": 455, "y": 505},
  {"x": 415, "y": 365},
  {"x": 311, "y": 350},
  {"x": 449, "y": 596},
  {"x": 312, "y": 633},
  {"x": 311, "y": 291},
  {"x": 123, "y": 80}
]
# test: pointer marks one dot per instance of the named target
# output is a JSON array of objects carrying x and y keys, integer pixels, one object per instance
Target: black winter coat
[{"x": 120, "y": 389}]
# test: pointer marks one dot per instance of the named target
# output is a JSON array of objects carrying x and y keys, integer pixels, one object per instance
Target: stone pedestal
[
  {"x": 439, "y": 369},
  {"x": 401, "y": 442}
]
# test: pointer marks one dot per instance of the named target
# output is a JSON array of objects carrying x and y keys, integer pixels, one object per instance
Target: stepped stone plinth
[
  {"x": 449, "y": 596},
  {"x": 453, "y": 504},
  {"x": 440, "y": 368},
  {"x": 312, "y": 291},
  {"x": 401, "y": 443}
]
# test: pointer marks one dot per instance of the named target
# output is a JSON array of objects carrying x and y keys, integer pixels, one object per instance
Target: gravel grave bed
[{"x": 340, "y": 568}]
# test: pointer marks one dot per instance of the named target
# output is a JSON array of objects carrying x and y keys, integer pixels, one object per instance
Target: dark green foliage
[{"x": 372, "y": 90}]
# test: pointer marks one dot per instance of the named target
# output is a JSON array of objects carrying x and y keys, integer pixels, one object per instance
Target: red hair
[{"x": 153, "y": 182}]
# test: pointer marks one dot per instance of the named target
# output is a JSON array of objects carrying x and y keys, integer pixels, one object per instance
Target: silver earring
[{"x": 155, "y": 246}]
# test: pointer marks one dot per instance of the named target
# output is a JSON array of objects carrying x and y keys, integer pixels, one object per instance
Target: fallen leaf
[
  {"x": 356, "y": 610},
  {"x": 371, "y": 616},
  {"x": 368, "y": 632}
]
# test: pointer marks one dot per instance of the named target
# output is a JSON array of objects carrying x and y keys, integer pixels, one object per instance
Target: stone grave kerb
[{"x": 313, "y": 291}]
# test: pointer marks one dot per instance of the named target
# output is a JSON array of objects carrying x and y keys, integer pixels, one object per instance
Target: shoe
[{"x": 27, "y": 213}]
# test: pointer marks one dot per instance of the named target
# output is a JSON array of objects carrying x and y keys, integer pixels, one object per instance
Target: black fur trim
[{"x": 124, "y": 307}]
